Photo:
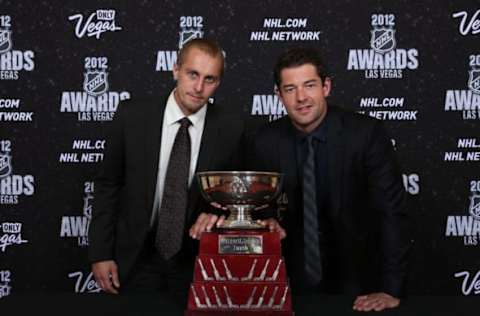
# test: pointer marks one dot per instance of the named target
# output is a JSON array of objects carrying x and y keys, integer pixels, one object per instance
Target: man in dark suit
[
  {"x": 146, "y": 195},
  {"x": 346, "y": 217}
]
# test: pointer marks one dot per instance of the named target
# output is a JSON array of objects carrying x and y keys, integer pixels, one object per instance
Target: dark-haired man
[
  {"x": 346, "y": 217},
  {"x": 146, "y": 194}
]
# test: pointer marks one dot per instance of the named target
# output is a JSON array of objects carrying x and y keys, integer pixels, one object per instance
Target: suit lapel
[
  {"x": 208, "y": 146},
  {"x": 288, "y": 159},
  {"x": 209, "y": 140},
  {"x": 336, "y": 153},
  {"x": 153, "y": 137}
]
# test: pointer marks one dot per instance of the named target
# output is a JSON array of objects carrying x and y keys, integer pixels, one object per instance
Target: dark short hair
[
  {"x": 299, "y": 56},
  {"x": 208, "y": 46}
]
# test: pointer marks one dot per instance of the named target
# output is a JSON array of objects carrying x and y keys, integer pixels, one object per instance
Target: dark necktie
[
  {"x": 171, "y": 218},
  {"x": 313, "y": 264}
]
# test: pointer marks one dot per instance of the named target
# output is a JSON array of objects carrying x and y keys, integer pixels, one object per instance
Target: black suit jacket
[
  {"x": 366, "y": 200},
  {"x": 125, "y": 185}
]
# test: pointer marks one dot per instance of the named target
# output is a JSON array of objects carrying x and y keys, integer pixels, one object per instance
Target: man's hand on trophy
[
  {"x": 205, "y": 222},
  {"x": 273, "y": 226}
]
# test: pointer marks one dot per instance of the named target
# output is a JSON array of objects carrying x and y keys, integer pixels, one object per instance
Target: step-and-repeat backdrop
[{"x": 66, "y": 65}]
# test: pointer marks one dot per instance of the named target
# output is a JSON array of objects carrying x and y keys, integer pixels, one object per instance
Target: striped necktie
[{"x": 313, "y": 262}]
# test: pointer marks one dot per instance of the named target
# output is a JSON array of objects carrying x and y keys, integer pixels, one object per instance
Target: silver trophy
[{"x": 240, "y": 192}]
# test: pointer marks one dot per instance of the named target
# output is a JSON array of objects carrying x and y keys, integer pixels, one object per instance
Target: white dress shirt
[{"x": 170, "y": 128}]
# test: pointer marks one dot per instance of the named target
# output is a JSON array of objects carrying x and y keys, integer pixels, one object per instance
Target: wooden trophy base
[{"x": 239, "y": 272}]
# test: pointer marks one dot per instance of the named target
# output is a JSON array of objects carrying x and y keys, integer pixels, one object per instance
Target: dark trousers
[{"x": 152, "y": 273}]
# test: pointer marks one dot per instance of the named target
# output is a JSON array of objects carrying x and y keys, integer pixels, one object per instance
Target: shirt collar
[
  {"x": 173, "y": 113},
  {"x": 319, "y": 133}
]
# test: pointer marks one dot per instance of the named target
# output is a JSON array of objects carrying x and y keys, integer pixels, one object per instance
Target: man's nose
[
  {"x": 301, "y": 95},
  {"x": 199, "y": 84}
]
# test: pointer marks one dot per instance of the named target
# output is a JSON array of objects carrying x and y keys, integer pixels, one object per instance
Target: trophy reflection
[
  {"x": 240, "y": 268},
  {"x": 240, "y": 192}
]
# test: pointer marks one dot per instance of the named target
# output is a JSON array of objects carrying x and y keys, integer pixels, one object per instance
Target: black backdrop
[{"x": 414, "y": 64}]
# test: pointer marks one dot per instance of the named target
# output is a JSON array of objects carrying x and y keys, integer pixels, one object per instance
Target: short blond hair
[{"x": 208, "y": 46}]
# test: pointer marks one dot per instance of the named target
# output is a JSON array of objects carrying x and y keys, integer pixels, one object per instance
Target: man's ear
[
  {"x": 175, "y": 71},
  {"x": 277, "y": 91},
  {"x": 327, "y": 86}
]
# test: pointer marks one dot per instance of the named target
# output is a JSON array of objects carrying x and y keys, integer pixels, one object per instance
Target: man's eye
[{"x": 210, "y": 80}]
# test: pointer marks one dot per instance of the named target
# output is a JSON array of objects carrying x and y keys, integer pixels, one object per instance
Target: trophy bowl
[{"x": 240, "y": 192}]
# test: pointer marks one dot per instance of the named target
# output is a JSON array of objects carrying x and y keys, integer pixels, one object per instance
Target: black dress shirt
[{"x": 327, "y": 236}]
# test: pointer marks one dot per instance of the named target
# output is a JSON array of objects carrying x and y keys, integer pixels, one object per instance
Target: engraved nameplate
[{"x": 240, "y": 244}]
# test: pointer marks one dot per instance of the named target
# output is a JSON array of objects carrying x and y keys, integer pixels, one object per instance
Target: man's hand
[
  {"x": 273, "y": 226},
  {"x": 205, "y": 222},
  {"x": 375, "y": 301},
  {"x": 106, "y": 275}
]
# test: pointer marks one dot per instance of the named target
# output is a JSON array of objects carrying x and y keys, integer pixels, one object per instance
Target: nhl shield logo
[
  {"x": 95, "y": 82},
  {"x": 474, "y": 80},
  {"x": 383, "y": 40},
  {"x": 474, "y": 207},
  {"x": 187, "y": 35},
  {"x": 87, "y": 206},
  {"x": 5, "y": 41},
  {"x": 5, "y": 165}
]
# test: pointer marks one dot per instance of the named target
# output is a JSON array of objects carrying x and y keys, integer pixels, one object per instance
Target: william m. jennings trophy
[{"x": 239, "y": 269}]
